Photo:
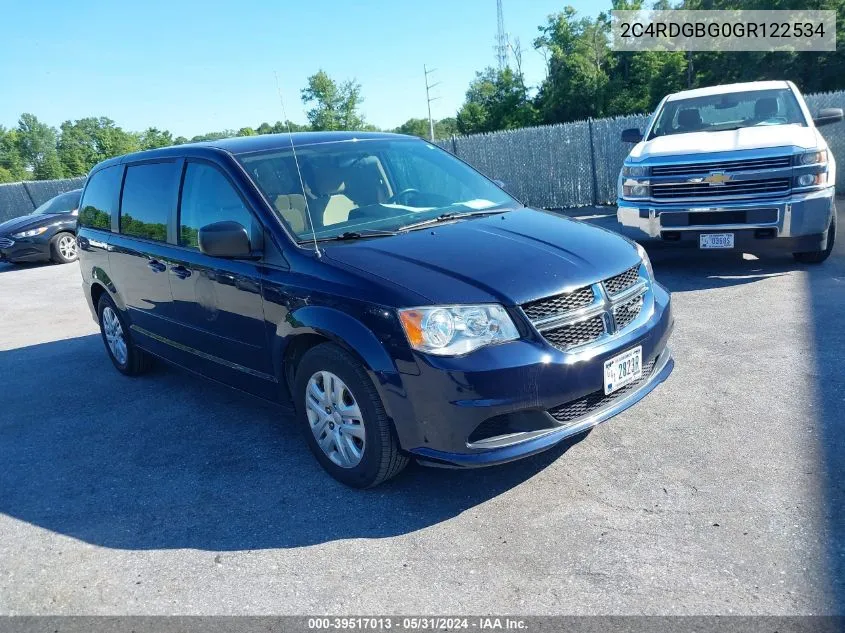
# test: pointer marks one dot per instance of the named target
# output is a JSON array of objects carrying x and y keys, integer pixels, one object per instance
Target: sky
[{"x": 194, "y": 66}]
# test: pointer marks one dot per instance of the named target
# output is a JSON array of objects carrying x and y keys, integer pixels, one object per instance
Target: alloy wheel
[
  {"x": 335, "y": 419},
  {"x": 113, "y": 331},
  {"x": 67, "y": 247}
]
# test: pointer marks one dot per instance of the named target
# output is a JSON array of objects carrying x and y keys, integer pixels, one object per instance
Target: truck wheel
[
  {"x": 63, "y": 249},
  {"x": 344, "y": 420},
  {"x": 817, "y": 257},
  {"x": 127, "y": 358}
]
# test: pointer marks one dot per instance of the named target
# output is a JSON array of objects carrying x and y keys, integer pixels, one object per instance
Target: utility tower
[
  {"x": 429, "y": 99},
  {"x": 501, "y": 37}
]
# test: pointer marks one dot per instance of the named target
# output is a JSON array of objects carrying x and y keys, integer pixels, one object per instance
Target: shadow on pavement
[{"x": 170, "y": 460}]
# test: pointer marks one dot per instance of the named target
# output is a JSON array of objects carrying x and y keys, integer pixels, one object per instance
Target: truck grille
[
  {"x": 751, "y": 164},
  {"x": 769, "y": 186},
  {"x": 589, "y": 313},
  {"x": 570, "y": 412}
]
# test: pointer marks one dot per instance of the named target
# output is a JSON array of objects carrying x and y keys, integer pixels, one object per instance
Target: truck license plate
[
  {"x": 716, "y": 240},
  {"x": 623, "y": 369}
]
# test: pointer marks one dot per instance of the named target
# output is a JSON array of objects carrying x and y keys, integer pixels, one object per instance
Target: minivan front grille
[
  {"x": 590, "y": 313},
  {"x": 5, "y": 242},
  {"x": 768, "y": 186},
  {"x": 750, "y": 164}
]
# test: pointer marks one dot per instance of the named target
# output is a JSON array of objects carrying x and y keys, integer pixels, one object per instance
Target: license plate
[
  {"x": 716, "y": 240},
  {"x": 623, "y": 369}
]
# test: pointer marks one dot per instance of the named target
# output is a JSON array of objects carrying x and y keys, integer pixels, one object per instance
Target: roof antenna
[{"x": 298, "y": 171}]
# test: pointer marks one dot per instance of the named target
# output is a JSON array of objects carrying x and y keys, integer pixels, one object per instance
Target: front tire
[
  {"x": 63, "y": 248},
  {"x": 126, "y": 357},
  {"x": 817, "y": 257},
  {"x": 343, "y": 419}
]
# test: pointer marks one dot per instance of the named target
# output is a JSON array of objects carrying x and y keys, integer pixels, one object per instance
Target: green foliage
[
  {"x": 334, "y": 106},
  {"x": 496, "y": 100},
  {"x": 85, "y": 142},
  {"x": 419, "y": 127},
  {"x": 11, "y": 161},
  {"x": 153, "y": 138},
  {"x": 139, "y": 228}
]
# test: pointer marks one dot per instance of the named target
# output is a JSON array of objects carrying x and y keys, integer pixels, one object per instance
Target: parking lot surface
[{"x": 721, "y": 492}]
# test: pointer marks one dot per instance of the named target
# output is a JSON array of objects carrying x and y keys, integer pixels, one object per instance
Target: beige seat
[
  {"x": 292, "y": 208},
  {"x": 330, "y": 202}
]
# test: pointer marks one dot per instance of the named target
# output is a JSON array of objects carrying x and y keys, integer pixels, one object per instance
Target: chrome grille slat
[
  {"x": 774, "y": 162},
  {"x": 5, "y": 242},
  {"x": 578, "y": 333}
]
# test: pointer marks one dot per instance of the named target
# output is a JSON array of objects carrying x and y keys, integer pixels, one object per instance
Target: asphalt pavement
[{"x": 721, "y": 492}]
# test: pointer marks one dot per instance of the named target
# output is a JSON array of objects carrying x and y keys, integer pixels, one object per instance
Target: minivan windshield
[
  {"x": 730, "y": 111},
  {"x": 369, "y": 188},
  {"x": 64, "y": 203}
]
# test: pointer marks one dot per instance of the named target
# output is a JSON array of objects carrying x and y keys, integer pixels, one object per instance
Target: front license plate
[
  {"x": 716, "y": 240},
  {"x": 623, "y": 369}
]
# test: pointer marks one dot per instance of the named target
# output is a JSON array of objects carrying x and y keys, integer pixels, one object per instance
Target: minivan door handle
[
  {"x": 156, "y": 266},
  {"x": 180, "y": 271}
]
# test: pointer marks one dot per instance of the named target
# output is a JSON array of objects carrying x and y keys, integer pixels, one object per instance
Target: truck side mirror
[
  {"x": 826, "y": 116},
  {"x": 632, "y": 135}
]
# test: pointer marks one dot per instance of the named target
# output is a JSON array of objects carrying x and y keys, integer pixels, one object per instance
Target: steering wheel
[{"x": 396, "y": 196}]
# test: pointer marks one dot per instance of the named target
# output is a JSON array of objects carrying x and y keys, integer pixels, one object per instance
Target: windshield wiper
[
  {"x": 355, "y": 235},
  {"x": 445, "y": 217}
]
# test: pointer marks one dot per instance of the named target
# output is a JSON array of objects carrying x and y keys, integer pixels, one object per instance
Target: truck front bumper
[{"x": 796, "y": 223}]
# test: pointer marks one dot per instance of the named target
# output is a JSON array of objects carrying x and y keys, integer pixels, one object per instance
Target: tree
[
  {"x": 85, "y": 142},
  {"x": 153, "y": 138},
  {"x": 419, "y": 127},
  {"x": 335, "y": 106},
  {"x": 247, "y": 131},
  {"x": 496, "y": 100},
  {"x": 11, "y": 162},
  {"x": 37, "y": 147}
]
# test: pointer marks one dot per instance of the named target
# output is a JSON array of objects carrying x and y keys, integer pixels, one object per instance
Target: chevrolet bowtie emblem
[{"x": 717, "y": 178}]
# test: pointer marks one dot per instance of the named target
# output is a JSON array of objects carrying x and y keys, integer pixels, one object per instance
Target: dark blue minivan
[{"x": 404, "y": 304}]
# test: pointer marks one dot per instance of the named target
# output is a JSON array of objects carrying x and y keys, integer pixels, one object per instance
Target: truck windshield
[
  {"x": 717, "y": 113},
  {"x": 369, "y": 187}
]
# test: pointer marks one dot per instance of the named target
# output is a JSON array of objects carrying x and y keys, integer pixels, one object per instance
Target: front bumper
[
  {"x": 796, "y": 223},
  {"x": 30, "y": 249},
  {"x": 444, "y": 401}
]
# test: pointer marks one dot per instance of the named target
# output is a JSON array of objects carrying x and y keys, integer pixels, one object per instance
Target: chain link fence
[
  {"x": 22, "y": 198},
  {"x": 552, "y": 166}
]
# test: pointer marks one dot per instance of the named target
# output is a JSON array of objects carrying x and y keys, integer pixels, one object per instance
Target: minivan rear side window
[
  {"x": 208, "y": 197},
  {"x": 149, "y": 197},
  {"x": 96, "y": 207}
]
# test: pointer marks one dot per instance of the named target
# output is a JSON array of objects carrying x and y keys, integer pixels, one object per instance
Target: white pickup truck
[{"x": 740, "y": 166}]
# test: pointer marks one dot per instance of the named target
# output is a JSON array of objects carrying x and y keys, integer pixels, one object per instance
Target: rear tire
[
  {"x": 63, "y": 248},
  {"x": 817, "y": 257},
  {"x": 343, "y": 419},
  {"x": 126, "y": 357}
]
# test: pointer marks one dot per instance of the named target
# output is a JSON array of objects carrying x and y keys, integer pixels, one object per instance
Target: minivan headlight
[
  {"x": 456, "y": 329},
  {"x": 29, "y": 233}
]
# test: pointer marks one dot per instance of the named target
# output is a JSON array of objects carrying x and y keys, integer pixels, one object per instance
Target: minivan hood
[
  {"x": 509, "y": 258},
  {"x": 748, "y": 138},
  {"x": 16, "y": 225}
]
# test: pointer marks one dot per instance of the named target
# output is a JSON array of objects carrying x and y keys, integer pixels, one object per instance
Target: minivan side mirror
[
  {"x": 632, "y": 135},
  {"x": 225, "y": 239},
  {"x": 826, "y": 116}
]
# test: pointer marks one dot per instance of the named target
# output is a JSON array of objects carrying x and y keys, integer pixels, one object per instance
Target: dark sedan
[{"x": 48, "y": 233}]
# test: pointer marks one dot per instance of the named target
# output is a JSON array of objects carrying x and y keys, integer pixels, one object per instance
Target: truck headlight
[
  {"x": 811, "y": 158},
  {"x": 30, "y": 233},
  {"x": 635, "y": 189},
  {"x": 456, "y": 329},
  {"x": 811, "y": 180},
  {"x": 635, "y": 171}
]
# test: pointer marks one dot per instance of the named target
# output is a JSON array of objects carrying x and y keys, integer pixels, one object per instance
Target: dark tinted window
[
  {"x": 149, "y": 196},
  {"x": 63, "y": 203},
  {"x": 95, "y": 210},
  {"x": 208, "y": 197}
]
